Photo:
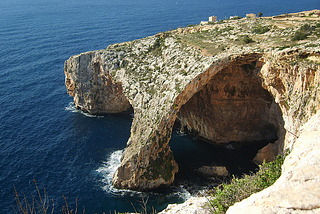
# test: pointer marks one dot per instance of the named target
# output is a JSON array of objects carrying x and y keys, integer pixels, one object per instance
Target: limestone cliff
[
  {"x": 298, "y": 188},
  {"x": 93, "y": 89},
  {"x": 210, "y": 79}
]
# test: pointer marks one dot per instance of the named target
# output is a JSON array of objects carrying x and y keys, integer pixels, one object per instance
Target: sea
[{"x": 70, "y": 154}]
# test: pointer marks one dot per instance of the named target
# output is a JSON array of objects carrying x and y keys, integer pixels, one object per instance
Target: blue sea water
[{"x": 42, "y": 136}]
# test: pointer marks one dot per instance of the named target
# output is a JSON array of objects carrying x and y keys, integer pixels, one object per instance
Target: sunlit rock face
[
  {"x": 298, "y": 189},
  {"x": 242, "y": 92},
  {"x": 239, "y": 95},
  {"x": 233, "y": 106},
  {"x": 92, "y": 87}
]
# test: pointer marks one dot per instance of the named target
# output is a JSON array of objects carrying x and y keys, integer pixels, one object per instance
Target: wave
[
  {"x": 73, "y": 109},
  {"x": 109, "y": 167},
  {"x": 106, "y": 171}
]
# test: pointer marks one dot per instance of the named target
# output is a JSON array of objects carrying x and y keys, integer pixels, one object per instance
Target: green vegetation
[
  {"x": 225, "y": 195},
  {"x": 226, "y": 29},
  {"x": 156, "y": 48},
  {"x": 225, "y": 35},
  {"x": 246, "y": 40},
  {"x": 302, "y": 33},
  {"x": 284, "y": 47},
  {"x": 305, "y": 31},
  {"x": 259, "y": 29}
]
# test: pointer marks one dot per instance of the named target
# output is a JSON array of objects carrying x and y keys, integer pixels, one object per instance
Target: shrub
[
  {"x": 302, "y": 33},
  {"x": 225, "y": 195},
  {"x": 39, "y": 204},
  {"x": 299, "y": 36},
  {"x": 156, "y": 47},
  {"x": 260, "y": 29},
  {"x": 246, "y": 39}
]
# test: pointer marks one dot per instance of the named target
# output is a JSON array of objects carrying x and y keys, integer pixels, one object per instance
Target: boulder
[
  {"x": 267, "y": 154},
  {"x": 213, "y": 171}
]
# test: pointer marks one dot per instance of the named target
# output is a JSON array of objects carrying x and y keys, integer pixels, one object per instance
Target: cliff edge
[{"x": 223, "y": 82}]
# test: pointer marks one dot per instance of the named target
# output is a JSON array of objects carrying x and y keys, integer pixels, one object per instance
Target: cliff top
[
  {"x": 260, "y": 34},
  {"x": 237, "y": 36}
]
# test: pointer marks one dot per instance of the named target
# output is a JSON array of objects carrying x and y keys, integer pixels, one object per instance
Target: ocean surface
[{"x": 72, "y": 154}]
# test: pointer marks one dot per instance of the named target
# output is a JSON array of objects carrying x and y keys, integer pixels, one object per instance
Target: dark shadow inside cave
[
  {"x": 233, "y": 106},
  {"x": 191, "y": 153},
  {"x": 225, "y": 124}
]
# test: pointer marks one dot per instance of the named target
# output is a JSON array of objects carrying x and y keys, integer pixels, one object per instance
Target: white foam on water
[
  {"x": 73, "y": 109},
  {"x": 107, "y": 169}
]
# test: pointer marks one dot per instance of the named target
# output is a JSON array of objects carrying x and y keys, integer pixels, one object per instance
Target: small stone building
[
  {"x": 212, "y": 18},
  {"x": 251, "y": 16}
]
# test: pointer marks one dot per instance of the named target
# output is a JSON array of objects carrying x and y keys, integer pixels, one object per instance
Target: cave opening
[{"x": 224, "y": 124}]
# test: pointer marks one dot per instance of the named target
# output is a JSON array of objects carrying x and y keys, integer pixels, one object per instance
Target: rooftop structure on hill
[
  {"x": 251, "y": 16},
  {"x": 212, "y": 18}
]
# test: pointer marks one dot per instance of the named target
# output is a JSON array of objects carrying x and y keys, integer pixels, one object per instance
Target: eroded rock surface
[
  {"x": 298, "y": 188},
  {"x": 92, "y": 87},
  {"x": 241, "y": 94},
  {"x": 232, "y": 106},
  {"x": 194, "y": 205}
]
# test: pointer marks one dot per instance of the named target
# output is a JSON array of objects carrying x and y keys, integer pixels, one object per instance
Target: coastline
[{"x": 136, "y": 72}]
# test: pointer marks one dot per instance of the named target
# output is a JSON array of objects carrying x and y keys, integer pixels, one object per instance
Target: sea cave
[{"x": 235, "y": 116}]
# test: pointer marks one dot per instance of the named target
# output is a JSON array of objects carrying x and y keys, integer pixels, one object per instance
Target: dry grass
[
  {"x": 40, "y": 204},
  {"x": 230, "y": 34}
]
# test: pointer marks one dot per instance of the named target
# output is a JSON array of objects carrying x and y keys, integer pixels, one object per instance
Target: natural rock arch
[
  {"x": 154, "y": 165},
  {"x": 157, "y": 97},
  {"x": 227, "y": 103}
]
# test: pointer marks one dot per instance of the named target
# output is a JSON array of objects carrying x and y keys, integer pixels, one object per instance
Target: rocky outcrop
[
  {"x": 93, "y": 90},
  {"x": 267, "y": 154},
  {"x": 298, "y": 188},
  {"x": 194, "y": 205},
  {"x": 240, "y": 94}
]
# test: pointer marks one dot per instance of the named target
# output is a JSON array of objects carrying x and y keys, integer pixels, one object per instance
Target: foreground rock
[
  {"x": 298, "y": 188},
  {"x": 244, "y": 92},
  {"x": 194, "y": 205}
]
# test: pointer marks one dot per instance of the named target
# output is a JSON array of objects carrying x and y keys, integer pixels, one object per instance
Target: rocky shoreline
[{"x": 252, "y": 85}]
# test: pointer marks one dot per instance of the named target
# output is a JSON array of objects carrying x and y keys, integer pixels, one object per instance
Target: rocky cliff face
[
  {"x": 93, "y": 89},
  {"x": 298, "y": 188},
  {"x": 242, "y": 93},
  {"x": 235, "y": 98}
]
